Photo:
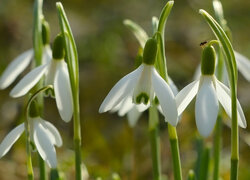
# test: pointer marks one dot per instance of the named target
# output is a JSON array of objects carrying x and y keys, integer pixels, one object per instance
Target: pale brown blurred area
[{"x": 107, "y": 50}]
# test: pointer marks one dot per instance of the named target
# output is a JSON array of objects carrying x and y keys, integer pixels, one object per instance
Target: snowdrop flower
[
  {"x": 209, "y": 92},
  {"x": 243, "y": 64},
  {"x": 134, "y": 111},
  {"x": 20, "y": 63},
  {"x": 143, "y": 85},
  {"x": 56, "y": 74},
  {"x": 44, "y": 135}
]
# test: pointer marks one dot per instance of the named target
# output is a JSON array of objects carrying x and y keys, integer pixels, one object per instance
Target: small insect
[{"x": 203, "y": 43}]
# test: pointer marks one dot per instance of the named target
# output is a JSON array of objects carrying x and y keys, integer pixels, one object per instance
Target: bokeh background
[{"x": 107, "y": 50}]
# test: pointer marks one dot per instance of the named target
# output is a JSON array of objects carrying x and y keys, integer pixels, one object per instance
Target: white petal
[
  {"x": 165, "y": 97},
  {"x": 47, "y": 54},
  {"x": 197, "y": 73},
  {"x": 44, "y": 145},
  {"x": 63, "y": 92},
  {"x": 133, "y": 116},
  {"x": 10, "y": 139},
  {"x": 126, "y": 106},
  {"x": 142, "y": 107},
  {"x": 121, "y": 89},
  {"x": 243, "y": 64},
  {"x": 15, "y": 68},
  {"x": 224, "y": 97},
  {"x": 185, "y": 96},
  {"x": 53, "y": 133},
  {"x": 173, "y": 86},
  {"x": 144, "y": 85},
  {"x": 206, "y": 107},
  {"x": 29, "y": 81}
]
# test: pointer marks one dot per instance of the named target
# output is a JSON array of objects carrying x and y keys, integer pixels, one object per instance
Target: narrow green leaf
[
  {"x": 164, "y": 16},
  {"x": 137, "y": 30},
  {"x": 37, "y": 32},
  {"x": 71, "y": 50}
]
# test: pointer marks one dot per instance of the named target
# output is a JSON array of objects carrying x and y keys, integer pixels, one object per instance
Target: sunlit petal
[
  {"x": 185, "y": 96},
  {"x": 165, "y": 97},
  {"x": 53, "y": 133},
  {"x": 144, "y": 86},
  {"x": 44, "y": 145},
  {"x": 133, "y": 116},
  {"x": 173, "y": 86},
  {"x": 15, "y": 68},
  {"x": 29, "y": 81},
  {"x": 47, "y": 54},
  {"x": 121, "y": 89},
  {"x": 126, "y": 106},
  {"x": 10, "y": 139},
  {"x": 63, "y": 92},
  {"x": 243, "y": 64},
  {"x": 224, "y": 97},
  {"x": 206, "y": 107}
]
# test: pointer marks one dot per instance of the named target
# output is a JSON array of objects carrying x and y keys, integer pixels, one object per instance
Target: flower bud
[
  {"x": 208, "y": 60},
  {"x": 150, "y": 50},
  {"x": 58, "y": 47},
  {"x": 45, "y": 32}
]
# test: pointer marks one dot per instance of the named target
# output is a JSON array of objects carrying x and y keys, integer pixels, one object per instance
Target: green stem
[
  {"x": 155, "y": 142},
  {"x": 42, "y": 168},
  {"x": 175, "y": 152},
  {"x": 232, "y": 72},
  {"x": 28, "y": 152},
  {"x": 217, "y": 147},
  {"x": 203, "y": 174},
  {"x": 54, "y": 175},
  {"x": 77, "y": 137}
]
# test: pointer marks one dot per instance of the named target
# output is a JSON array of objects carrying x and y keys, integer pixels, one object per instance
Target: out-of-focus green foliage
[{"x": 107, "y": 50}]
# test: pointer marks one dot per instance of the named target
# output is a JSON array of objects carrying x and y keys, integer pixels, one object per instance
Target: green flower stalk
[
  {"x": 73, "y": 68},
  {"x": 232, "y": 73}
]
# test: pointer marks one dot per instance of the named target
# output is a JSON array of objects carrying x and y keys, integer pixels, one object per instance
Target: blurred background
[{"x": 107, "y": 50}]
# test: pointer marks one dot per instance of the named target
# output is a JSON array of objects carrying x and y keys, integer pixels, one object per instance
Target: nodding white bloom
[
  {"x": 56, "y": 74},
  {"x": 209, "y": 92},
  {"x": 143, "y": 85},
  {"x": 20, "y": 63},
  {"x": 43, "y": 134},
  {"x": 243, "y": 65},
  {"x": 134, "y": 111}
]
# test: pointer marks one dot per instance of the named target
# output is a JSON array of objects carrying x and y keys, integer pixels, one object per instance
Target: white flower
[
  {"x": 134, "y": 111},
  {"x": 210, "y": 92},
  {"x": 56, "y": 74},
  {"x": 19, "y": 64},
  {"x": 243, "y": 64},
  {"x": 142, "y": 85},
  {"x": 44, "y": 135}
]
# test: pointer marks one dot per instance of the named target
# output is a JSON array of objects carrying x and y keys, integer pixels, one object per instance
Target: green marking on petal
[
  {"x": 208, "y": 60},
  {"x": 156, "y": 100},
  {"x": 142, "y": 98},
  {"x": 150, "y": 51},
  {"x": 58, "y": 48}
]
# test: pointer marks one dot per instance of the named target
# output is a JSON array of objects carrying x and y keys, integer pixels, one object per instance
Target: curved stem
[{"x": 232, "y": 72}]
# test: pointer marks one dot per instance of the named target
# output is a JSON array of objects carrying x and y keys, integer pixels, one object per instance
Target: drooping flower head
[
  {"x": 43, "y": 134},
  {"x": 209, "y": 92},
  {"x": 144, "y": 84},
  {"x": 21, "y": 62},
  {"x": 56, "y": 74}
]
